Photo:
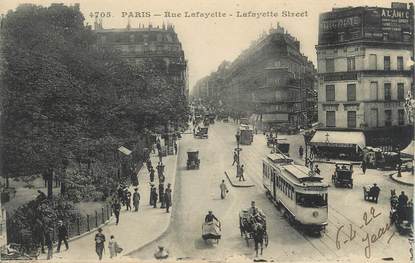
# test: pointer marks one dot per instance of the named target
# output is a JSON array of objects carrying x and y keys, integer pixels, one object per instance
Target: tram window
[{"x": 311, "y": 200}]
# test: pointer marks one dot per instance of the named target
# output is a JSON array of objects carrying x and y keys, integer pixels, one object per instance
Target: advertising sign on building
[{"x": 366, "y": 23}]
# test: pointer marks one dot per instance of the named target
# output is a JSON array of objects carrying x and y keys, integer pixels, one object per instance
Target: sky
[{"x": 209, "y": 41}]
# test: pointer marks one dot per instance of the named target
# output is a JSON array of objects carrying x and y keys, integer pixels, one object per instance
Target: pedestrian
[
  {"x": 99, "y": 243},
  {"x": 113, "y": 247},
  {"x": 128, "y": 201},
  {"x": 317, "y": 170},
  {"x": 158, "y": 144},
  {"x": 160, "y": 156},
  {"x": 161, "y": 194},
  {"x": 364, "y": 166},
  {"x": 49, "y": 242},
  {"x": 223, "y": 190},
  {"x": 116, "y": 207},
  {"x": 301, "y": 151},
  {"x": 62, "y": 236},
  {"x": 136, "y": 199},
  {"x": 175, "y": 147},
  {"x": 153, "y": 197},
  {"x": 148, "y": 164},
  {"x": 167, "y": 198},
  {"x": 39, "y": 234},
  {"x": 152, "y": 171},
  {"x": 235, "y": 157},
  {"x": 241, "y": 173}
]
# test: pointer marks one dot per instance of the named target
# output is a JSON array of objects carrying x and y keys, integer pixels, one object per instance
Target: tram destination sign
[{"x": 366, "y": 23}]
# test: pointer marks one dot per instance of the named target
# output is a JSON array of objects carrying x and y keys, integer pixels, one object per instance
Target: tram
[{"x": 293, "y": 188}]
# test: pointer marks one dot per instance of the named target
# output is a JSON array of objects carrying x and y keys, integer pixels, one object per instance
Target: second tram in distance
[{"x": 301, "y": 196}]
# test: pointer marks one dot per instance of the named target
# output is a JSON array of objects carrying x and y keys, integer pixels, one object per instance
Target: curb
[
  {"x": 236, "y": 185},
  {"x": 398, "y": 181},
  {"x": 163, "y": 232}
]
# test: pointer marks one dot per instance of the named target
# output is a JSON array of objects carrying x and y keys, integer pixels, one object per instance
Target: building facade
[
  {"x": 271, "y": 81},
  {"x": 364, "y": 74},
  {"x": 161, "y": 45}
]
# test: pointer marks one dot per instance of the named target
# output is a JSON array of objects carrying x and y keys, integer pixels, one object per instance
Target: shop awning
[
  {"x": 339, "y": 139},
  {"x": 275, "y": 117},
  {"x": 409, "y": 150}
]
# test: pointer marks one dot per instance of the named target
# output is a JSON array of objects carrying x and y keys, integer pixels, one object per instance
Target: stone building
[
  {"x": 271, "y": 82},
  {"x": 364, "y": 74},
  {"x": 160, "y": 45}
]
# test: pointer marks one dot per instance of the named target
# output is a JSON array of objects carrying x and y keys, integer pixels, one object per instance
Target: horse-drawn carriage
[
  {"x": 193, "y": 160},
  {"x": 402, "y": 217},
  {"x": 202, "y": 132},
  {"x": 343, "y": 175},
  {"x": 371, "y": 193},
  {"x": 252, "y": 227},
  {"x": 211, "y": 230}
]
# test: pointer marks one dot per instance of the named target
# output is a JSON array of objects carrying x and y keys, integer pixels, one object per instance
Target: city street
[{"x": 197, "y": 191}]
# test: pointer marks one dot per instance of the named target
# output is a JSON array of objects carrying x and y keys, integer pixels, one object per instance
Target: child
[{"x": 113, "y": 247}]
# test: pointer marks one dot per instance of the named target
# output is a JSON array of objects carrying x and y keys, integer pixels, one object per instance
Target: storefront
[{"x": 338, "y": 144}]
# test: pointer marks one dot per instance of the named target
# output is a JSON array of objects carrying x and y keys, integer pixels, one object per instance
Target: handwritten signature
[{"x": 368, "y": 239}]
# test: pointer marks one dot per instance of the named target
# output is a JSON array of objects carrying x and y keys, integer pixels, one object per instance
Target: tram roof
[
  {"x": 278, "y": 158},
  {"x": 300, "y": 174}
]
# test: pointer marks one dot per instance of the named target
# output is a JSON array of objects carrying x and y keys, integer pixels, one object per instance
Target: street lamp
[
  {"x": 409, "y": 107},
  {"x": 238, "y": 137}
]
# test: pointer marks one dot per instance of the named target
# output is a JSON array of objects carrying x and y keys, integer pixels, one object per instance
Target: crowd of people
[{"x": 122, "y": 197}]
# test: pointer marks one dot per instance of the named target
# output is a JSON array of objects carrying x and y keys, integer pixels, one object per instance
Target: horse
[{"x": 258, "y": 235}]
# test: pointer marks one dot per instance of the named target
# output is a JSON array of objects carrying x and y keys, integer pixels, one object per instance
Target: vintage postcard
[{"x": 207, "y": 130}]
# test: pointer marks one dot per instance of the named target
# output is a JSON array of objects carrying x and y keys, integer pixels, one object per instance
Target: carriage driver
[
  {"x": 255, "y": 213},
  {"x": 210, "y": 217}
]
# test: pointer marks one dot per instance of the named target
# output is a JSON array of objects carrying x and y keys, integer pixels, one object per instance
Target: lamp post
[
  {"x": 238, "y": 137},
  {"x": 409, "y": 107}
]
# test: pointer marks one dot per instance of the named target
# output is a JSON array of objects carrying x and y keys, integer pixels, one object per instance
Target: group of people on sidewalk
[{"x": 123, "y": 197}]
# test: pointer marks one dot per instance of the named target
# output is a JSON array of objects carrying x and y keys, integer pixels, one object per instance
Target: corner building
[
  {"x": 364, "y": 74},
  {"x": 156, "y": 44}
]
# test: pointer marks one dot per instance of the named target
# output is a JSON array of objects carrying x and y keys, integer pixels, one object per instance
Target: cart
[
  {"x": 370, "y": 194},
  {"x": 343, "y": 175},
  {"x": 211, "y": 230},
  {"x": 193, "y": 160},
  {"x": 403, "y": 218},
  {"x": 202, "y": 133}
]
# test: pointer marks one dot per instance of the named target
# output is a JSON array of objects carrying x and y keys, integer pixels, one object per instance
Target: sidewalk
[
  {"x": 135, "y": 229},
  {"x": 407, "y": 178},
  {"x": 231, "y": 175}
]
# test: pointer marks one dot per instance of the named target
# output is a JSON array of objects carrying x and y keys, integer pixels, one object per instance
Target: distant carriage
[
  {"x": 193, "y": 160},
  {"x": 297, "y": 192},
  {"x": 202, "y": 133},
  {"x": 246, "y": 135},
  {"x": 343, "y": 175},
  {"x": 402, "y": 217}
]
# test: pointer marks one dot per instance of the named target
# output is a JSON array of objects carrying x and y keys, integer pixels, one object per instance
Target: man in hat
[
  {"x": 167, "y": 198},
  {"x": 136, "y": 199},
  {"x": 161, "y": 194},
  {"x": 375, "y": 192},
  {"x": 153, "y": 196},
  {"x": 62, "y": 236},
  {"x": 161, "y": 253},
  {"x": 99, "y": 243}
]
